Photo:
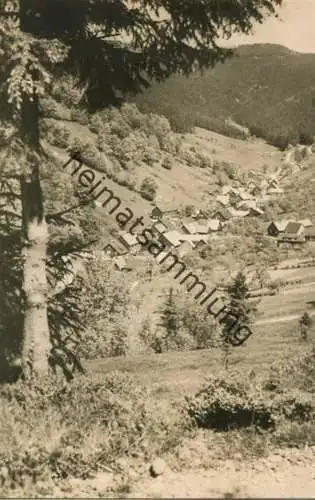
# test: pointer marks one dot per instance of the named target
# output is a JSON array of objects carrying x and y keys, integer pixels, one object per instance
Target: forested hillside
[{"x": 267, "y": 88}]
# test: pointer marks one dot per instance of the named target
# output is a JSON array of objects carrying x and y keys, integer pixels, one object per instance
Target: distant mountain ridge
[{"x": 266, "y": 87}]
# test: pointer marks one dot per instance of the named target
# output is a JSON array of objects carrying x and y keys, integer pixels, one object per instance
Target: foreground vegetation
[{"x": 53, "y": 432}]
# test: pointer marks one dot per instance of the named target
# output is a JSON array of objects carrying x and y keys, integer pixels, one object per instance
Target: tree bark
[{"x": 36, "y": 338}]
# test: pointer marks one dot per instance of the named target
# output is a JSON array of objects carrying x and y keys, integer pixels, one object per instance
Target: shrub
[
  {"x": 148, "y": 189},
  {"x": 90, "y": 154},
  {"x": 58, "y": 431},
  {"x": 188, "y": 210},
  {"x": 66, "y": 91},
  {"x": 80, "y": 115},
  {"x": 299, "y": 373},
  {"x": 98, "y": 125},
  {"x": 167, "y": 163},
  {"x": 55, "y": 133},
  {"x": 226, "y": 403},
  {"x": 205, "y": 160},
  {"x": 104, "y": 303},
  {"x": 132, "y": 115},
  {"x": 6, "y": 132},
  {"x": 294, "y": 405},
  {"x": 48, "y": 108},
  {"x": 131, "y": 148}
]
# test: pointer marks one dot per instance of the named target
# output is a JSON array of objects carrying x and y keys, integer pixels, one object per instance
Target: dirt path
[{"x": 289, "y": 473}]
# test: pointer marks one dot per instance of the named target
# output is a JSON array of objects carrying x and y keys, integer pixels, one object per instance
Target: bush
[
  {"x": 66, "y": 91},
  {"x": 226, "y": 403},
  {"x": 294, "y": 405},
  {"x": 90, "y": 154},
  {"x": 120, "y": 128},
  {"x": 299, "y": 373},
  {"x": 80, "y": 115},
  {"x": 104, "y": 302},
  {"x": 148, "y": 189},
  {"x": 57, "y": 431},
  {"x": 56, "y": 134},
  {"x": 167, "y": 163},
  {"x": 48, "y": 108},
  {"x": 132, "y": 115}
]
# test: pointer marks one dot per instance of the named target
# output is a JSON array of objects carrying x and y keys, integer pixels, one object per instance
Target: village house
[
  {"x": 238, "y": 195},
  {"x": 214, "y": 225},
  {"x": 123, "y": 263},
  {"x": 226, "y": 189},
  {"x": 130, "y": 242},
  {"x": 274, "y": 190},
  {"x": 309, "y": 233},
  {"x": 114, "y": 248},
  {"x": 171, "y": 239},
  {"x": 202, "y": 226},
  {"x": 222, "y": 214},
  {"x": 251, "y": 207},
  {"x": 224, "y": 200},
  {"x": 306, "y": 222},
  {"x": 194, "y": 238},
  {"x": 163, "y": 208},
  {"x": 159, "y": 227},
  {"x": 238, "y": 213},
  {"x": 276, "y": 228},
  {"x": 293, "y": 231},
  {"x": 184, "y": 248},
  {"x": 244, "y": 195}
]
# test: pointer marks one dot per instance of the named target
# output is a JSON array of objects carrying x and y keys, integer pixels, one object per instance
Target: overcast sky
[{"x": 296, "y": 30}]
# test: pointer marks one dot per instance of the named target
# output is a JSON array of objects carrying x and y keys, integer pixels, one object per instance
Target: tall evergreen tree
[{"x": 169, "y": 318}]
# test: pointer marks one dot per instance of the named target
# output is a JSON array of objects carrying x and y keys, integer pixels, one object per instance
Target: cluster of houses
[
  {"x": 193, "y": 233},
  {"x": 291, "y": 231},
  {"x": 233, "y": 203},
  {"x": 238, "y": 202}
]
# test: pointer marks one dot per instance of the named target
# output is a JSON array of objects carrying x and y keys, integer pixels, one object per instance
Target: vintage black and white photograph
[{"x": 157, "y": 249}]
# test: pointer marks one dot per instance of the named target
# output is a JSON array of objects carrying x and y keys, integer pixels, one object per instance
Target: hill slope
[{"x": 267, "y": 88}]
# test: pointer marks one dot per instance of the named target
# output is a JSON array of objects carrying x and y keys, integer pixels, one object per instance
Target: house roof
[
  {"x": 172, "y": 237},
  {"x": 293, "y": 228},
  {"x": 244, "y": 195},
  {"x": 188, "y": 243},
  {"x": 190, "y": 227},
  {"x": 226, "y": 189},
  {"x": 160, "y": 227},
  {"x": 214, "y": 224},
  {"x": 193, "y": 237},
  {"x": 251, "y": 205},
  {"x": 203, "y": 226},
  {"x": 165, "y": 206},
  {"x": 116, "y": 245},
  {"x": 120, "y": 262},
  {"x": 238, "y": 213},
  {"x": 223, "y": 200},
  {"x": 306, "y": 222},
  {"x": 224, "y": 212},
  {"x": 280, "y": 224},
  {"x": 310, "y": 231},
  {"x": 129, "y": 239},
  {"x": 277, "y": 190}
]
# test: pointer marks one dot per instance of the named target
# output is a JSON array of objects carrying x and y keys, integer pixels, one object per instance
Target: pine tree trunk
[{"x": 36, "y": 339}]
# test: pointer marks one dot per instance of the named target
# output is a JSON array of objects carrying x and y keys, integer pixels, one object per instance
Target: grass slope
[{"x": 265, "y": 87}]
